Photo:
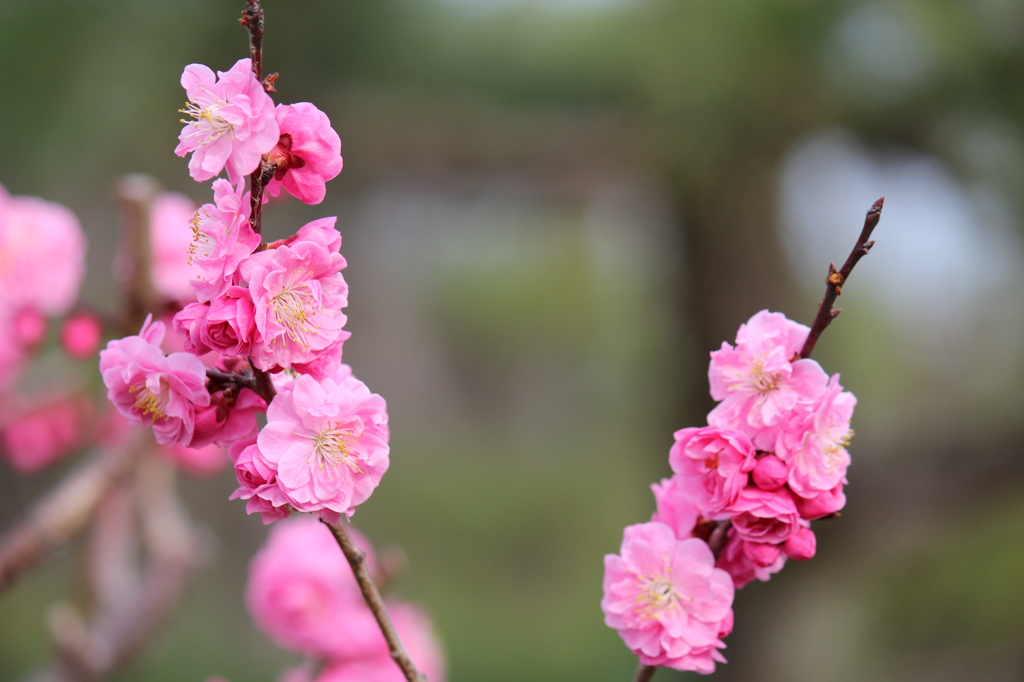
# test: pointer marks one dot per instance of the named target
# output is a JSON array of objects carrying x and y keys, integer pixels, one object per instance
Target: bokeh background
[{"x": 552, "y": 212}]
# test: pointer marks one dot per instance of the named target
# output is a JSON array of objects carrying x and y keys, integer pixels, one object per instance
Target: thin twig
[
  {"x": 135, "y": 193},
  {"x": 645, "y": 672},
  {"x": 357, "y": 560},
  {"x": 834, "y": 281},
  {"x": 252, "y": 19},
  {"x": 264, "y": 387},
  {"x": 65, "y": 510}
]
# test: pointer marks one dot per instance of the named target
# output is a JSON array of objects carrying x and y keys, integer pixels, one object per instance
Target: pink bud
[
  {"x": 29, "y": 328},
  {"x": 770, "y": 473},
  {"x": 824, "y": 504},
  {"x": 81, "y": 335},
  {"x": 801, "y": 545},
  {"x": 762, "y": 553}
]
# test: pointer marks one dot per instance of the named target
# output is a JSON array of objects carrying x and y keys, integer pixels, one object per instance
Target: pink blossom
[
  {"x": 666, "y": 599},
  {"x": 42, "y": 255},
  {"x": 326, "y": 362},
  {"x": 762, "y": 554},
  {"x": 801, "y": 545},
  {"x": 376, "y": 665},
  {"x": 715, "y": 463},
  {"x": 234, "y": 123},
  {"x": 675, "y": 506},
  {"x": 39, "y": 434},
  {"x": 298, "y": 292},
  {"x": 814, "y": 442},
  {"x": 302, "y": 594},
  {"x": 29, "y": 328},
  {"x": 828, "y": 502},
  {"x": 759, "y": 381},
  {"x": 770, "y": 473},
  {"x": 228, "y": 418},
  {"x": 328, "y": 441},
  {"x": 189, "y": 323},
  {"x": 308, "y": 153},
  {"x": 734, "y": 560},
  {"x": 764, "y": 516},
  {"x": 221, "y": 239},
  {"x": 203, "y": 461},
  {"x": 170, "y": 234},
  {"x": 149, "y": 387},
  {"x": 81, "y": 335}
]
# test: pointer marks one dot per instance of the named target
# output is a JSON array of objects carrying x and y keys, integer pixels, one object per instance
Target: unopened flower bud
[
  {"x": 770, "y": 473},
  {"x": 29, "y": 328},
  {"x": 801, "y": 545},
  {"x": 81, "y": 335},
  {"x": 824, "y": 504},
  {"x": 761, "y": 553}
]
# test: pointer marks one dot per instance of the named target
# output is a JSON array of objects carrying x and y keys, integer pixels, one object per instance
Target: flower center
[
  {"x": 658, "y": 596},
  {"x": 294, "y": 309},
  {"x": 150, "y": 404},
  {"x": 763, "y": 381},
  {"x": 202, "y": 245},
  {"x": 333, "y": 446},
  {"x": 207, "y": 123}
]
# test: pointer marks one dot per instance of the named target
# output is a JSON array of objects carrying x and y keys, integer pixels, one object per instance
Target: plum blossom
[
  {"x": 42, "y": 255},
  {"x": 735, "y": 559},
  {"x": 170, "y": 236},
  {"x": 715, "y": 463},
  {"x": 801, "y": 545},
  {"x": 814, "y": 442},
  {"x": 221, "y": 239},
  {"x": 758, "y": 380},
  {"x": 308, "y": 153},
  {"x": 298, "y": 292},
  {"x": 80, "y": 335},
  {"x": 675, "y": 506},
  {"x": 823, "y": 504},
  {"x": 233, "y": 124},
  {"x": 376, "y": 665},
  {"x": 302, "y": 594},
  {"x": 669, "y": 603},
  {"x": 228, "y": 418},
  {"x": 41, "y": 433},
  {"x": 149, "y": 387},
  {"x": 328, "y": 442},
  {"x": 764, "y": 516}
]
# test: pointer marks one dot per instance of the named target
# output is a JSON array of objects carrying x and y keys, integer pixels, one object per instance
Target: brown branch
[
  {"x": 135, "y": 194},
  {"x": 264, "y": 387},
  {"x": 357, "y": 560},
  {"x": 126, "y": 619},
  {"x": 65, "y": 510},
  {"x": 834, "y": 281},
  {"x": 645, "y": 672},
  {"x": 252, "y": 19}
]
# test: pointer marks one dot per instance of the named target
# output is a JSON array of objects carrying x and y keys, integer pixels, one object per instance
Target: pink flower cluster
[
  {"x": 772, "y": 459},
  {"x": 302, "y": 594},
  {"x": 253, "y": 309}
]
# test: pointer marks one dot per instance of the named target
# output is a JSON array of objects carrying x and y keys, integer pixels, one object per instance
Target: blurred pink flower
[
  {"x": 298, "y": 292},
  {"x": 770, "y": 473},
  {"x": 40, "y": 434},
  {"x": 823, "y": 504},
  {"x": 666, "y": 599},
  {"x": 149, "y": 387},
  {"x": 222, "y": 239},
  {"x": 714, "y": 463},
  {"x": 81, "y": 335},
  {"x": 42, "y": 255},
  {"x": 302, "y": 594},
  {"x": 376, "y": 665},
  {"x": 29, "y": 328},
  {"x": 308, "y": 153},
  {"x": 328, "y": 441},
  {"x": 735, "y": 560},
  {"x": 760, "y": 380},
  {"x": 170, "y": 235},
  {"x": 203, "y": 461},
  {"x": 801, "y": 545},
  {"x": 234, "y": 123}
]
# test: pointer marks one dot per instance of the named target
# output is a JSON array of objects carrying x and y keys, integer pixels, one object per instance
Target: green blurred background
[{"x": 552, "y": 213}]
